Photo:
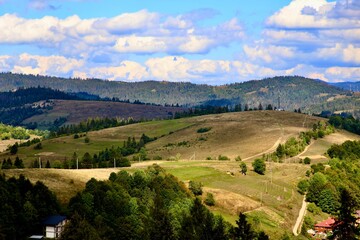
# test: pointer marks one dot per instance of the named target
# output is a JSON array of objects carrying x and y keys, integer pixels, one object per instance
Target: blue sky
[{"x": 214, "y": 42}]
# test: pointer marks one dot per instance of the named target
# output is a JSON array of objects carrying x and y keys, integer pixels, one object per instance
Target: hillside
[
  {"x": 294, "y": 92},
  {"x": 243, "y": 134},
  {"x": 272, "y": 199},
  {"x": 40, "y": 107},
  {"x": 76, "y": 111}
]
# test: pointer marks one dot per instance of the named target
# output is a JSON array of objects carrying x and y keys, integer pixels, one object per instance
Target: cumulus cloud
[{"x": 139, "y": 32}]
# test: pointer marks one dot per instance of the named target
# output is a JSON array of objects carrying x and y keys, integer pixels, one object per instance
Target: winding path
[{"x": 300, "y": 218}]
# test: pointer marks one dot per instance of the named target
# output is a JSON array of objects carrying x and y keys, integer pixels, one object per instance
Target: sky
[{"x": 200, "y": 41}]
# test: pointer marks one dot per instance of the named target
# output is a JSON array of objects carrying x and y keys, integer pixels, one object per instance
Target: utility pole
[
  {"x": 39, "y": 163},
  {"x": 114, "y": 163},
  {"x": 77, "y": 163}
]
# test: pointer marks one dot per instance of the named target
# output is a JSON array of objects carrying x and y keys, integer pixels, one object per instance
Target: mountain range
[{"x": 294, "y": 91}]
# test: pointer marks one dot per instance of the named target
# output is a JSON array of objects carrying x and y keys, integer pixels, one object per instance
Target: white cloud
[
  {"x": 139, "y": 32},
  {"x": 50, "y": 65}
]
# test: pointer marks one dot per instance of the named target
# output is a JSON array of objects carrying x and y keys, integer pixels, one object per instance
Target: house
[
  {"x": 357, "y": 215},
  {"x": 54, "y": 226},
  {"x": 325, "y": 226}
]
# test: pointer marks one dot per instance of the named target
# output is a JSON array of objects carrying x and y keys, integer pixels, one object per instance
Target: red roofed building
[{"x": 325, "y": 226}]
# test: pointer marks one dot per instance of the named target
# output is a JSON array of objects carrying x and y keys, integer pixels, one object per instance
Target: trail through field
[
  {"x": 300, "y": 218},
  {"x": 270, "y": 150}
]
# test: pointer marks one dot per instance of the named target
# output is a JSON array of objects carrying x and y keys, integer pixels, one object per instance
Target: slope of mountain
[
  {"x": 40, "y": 107},
  {"x": 349, "y": 86},
  {"x": 294, "y": 92}
]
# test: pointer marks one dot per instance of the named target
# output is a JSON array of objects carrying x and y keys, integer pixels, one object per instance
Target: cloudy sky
[{"x": 201, "y": 41}]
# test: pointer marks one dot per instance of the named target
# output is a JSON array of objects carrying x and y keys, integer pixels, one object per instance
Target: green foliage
[
  {"x": 223, "y": 158},
  {"x": 307, "y": 160},
  {"x": 259, "y": 166},
  {"x": 349, "y": 150},
  {"x": 24, "y": 206},
  {"x": 238, "y": 159},
  {"x": 203, "y": 130},
  {"x": 345, "y": 224},
  {"x": 209, "y": 200},
  {"x": 348, "y": 123},
  {"x": 243, "y": 168},
  {"x": 38, "y": 146},
  {"x": 14, "y": 149},
  {"x": 313, "y": 208},
  {"x": 86, "y": 139},
  {"x": 148, "y": 204},
  {"x": 303, "y": 186},
  {"x": 244, "y": 230},
  {"x": 316, "y": 185},
  {"x": 196, "y": 188}
]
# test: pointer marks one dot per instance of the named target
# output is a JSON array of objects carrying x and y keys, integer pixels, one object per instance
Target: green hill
[{"x": 294, "y": 92}]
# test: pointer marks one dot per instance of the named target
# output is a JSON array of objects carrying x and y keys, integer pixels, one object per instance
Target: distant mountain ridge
[
  {"x": 349, "y": 86},
  {"x": 293, "y": 92}
]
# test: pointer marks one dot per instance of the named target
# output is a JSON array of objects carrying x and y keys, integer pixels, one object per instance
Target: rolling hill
[
  {"x": 294, "y": 92},
  {"x": 271, "y": 199}
]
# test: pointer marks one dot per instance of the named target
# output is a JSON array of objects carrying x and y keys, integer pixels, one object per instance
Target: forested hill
[
  {"x": 350, "y": 86},
  {"x": 294, "y": 92},
  {"x": 24, "y": 96}
]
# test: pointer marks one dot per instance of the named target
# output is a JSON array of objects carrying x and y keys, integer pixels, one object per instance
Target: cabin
[
  {"x": 54, "y": 226},
  {"x": 325, "y": 226}
]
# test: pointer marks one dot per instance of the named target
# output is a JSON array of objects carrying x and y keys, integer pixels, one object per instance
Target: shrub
[
  {"x": 203, "y": 130},
  {"x": 223, "y": 158},
  {"x": 259, "y": 166},
  {"x": 76, "y": 136},
  {"x": 303, "y": 185},
  {"x": 307, "y": 160},
  {"x": 238, "y": 158},
  {"x": 208, "y": 158},
  {"x": 196, "y": 188},
  {"x": 209, "y": 200},
  {"x": 157, "y": 157},
  {"x": 38, "y": 146},
  {"x": 87, "y": 139},
  {"x": 313, "y": 208}
]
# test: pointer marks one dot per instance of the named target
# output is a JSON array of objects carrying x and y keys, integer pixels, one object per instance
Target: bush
[
  {"x": 38, "y": 146},
  {"x": 303, "y": 186},
  {"x": 196, "y": 188},
  {"x": 87, "y": 139},
  {"x": 238, "y": 158},
  {"x": 223, "y": 158},
  {"x": 209, "y": 200},
  {"x": 313, "y": 208},
  {"x": 259, "y": 166},
  {"x": 203, "y": 130},
  {"x": 157, "y": 157},
  {"x": 208, "y": 158},
  {"x": 307, "y": 160}
]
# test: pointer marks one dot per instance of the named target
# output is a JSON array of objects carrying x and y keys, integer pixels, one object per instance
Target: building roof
[
  {"x": 53, "y": 220},
  {"x": 328, "y": 223},
  {"x": 36, "y": 237}
]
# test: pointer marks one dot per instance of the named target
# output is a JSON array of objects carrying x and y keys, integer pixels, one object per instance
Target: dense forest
[
  {"x": 23, "y": 207},
  {"x": 294, "y": 92},
  {"x": 149, "y": 204}
]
